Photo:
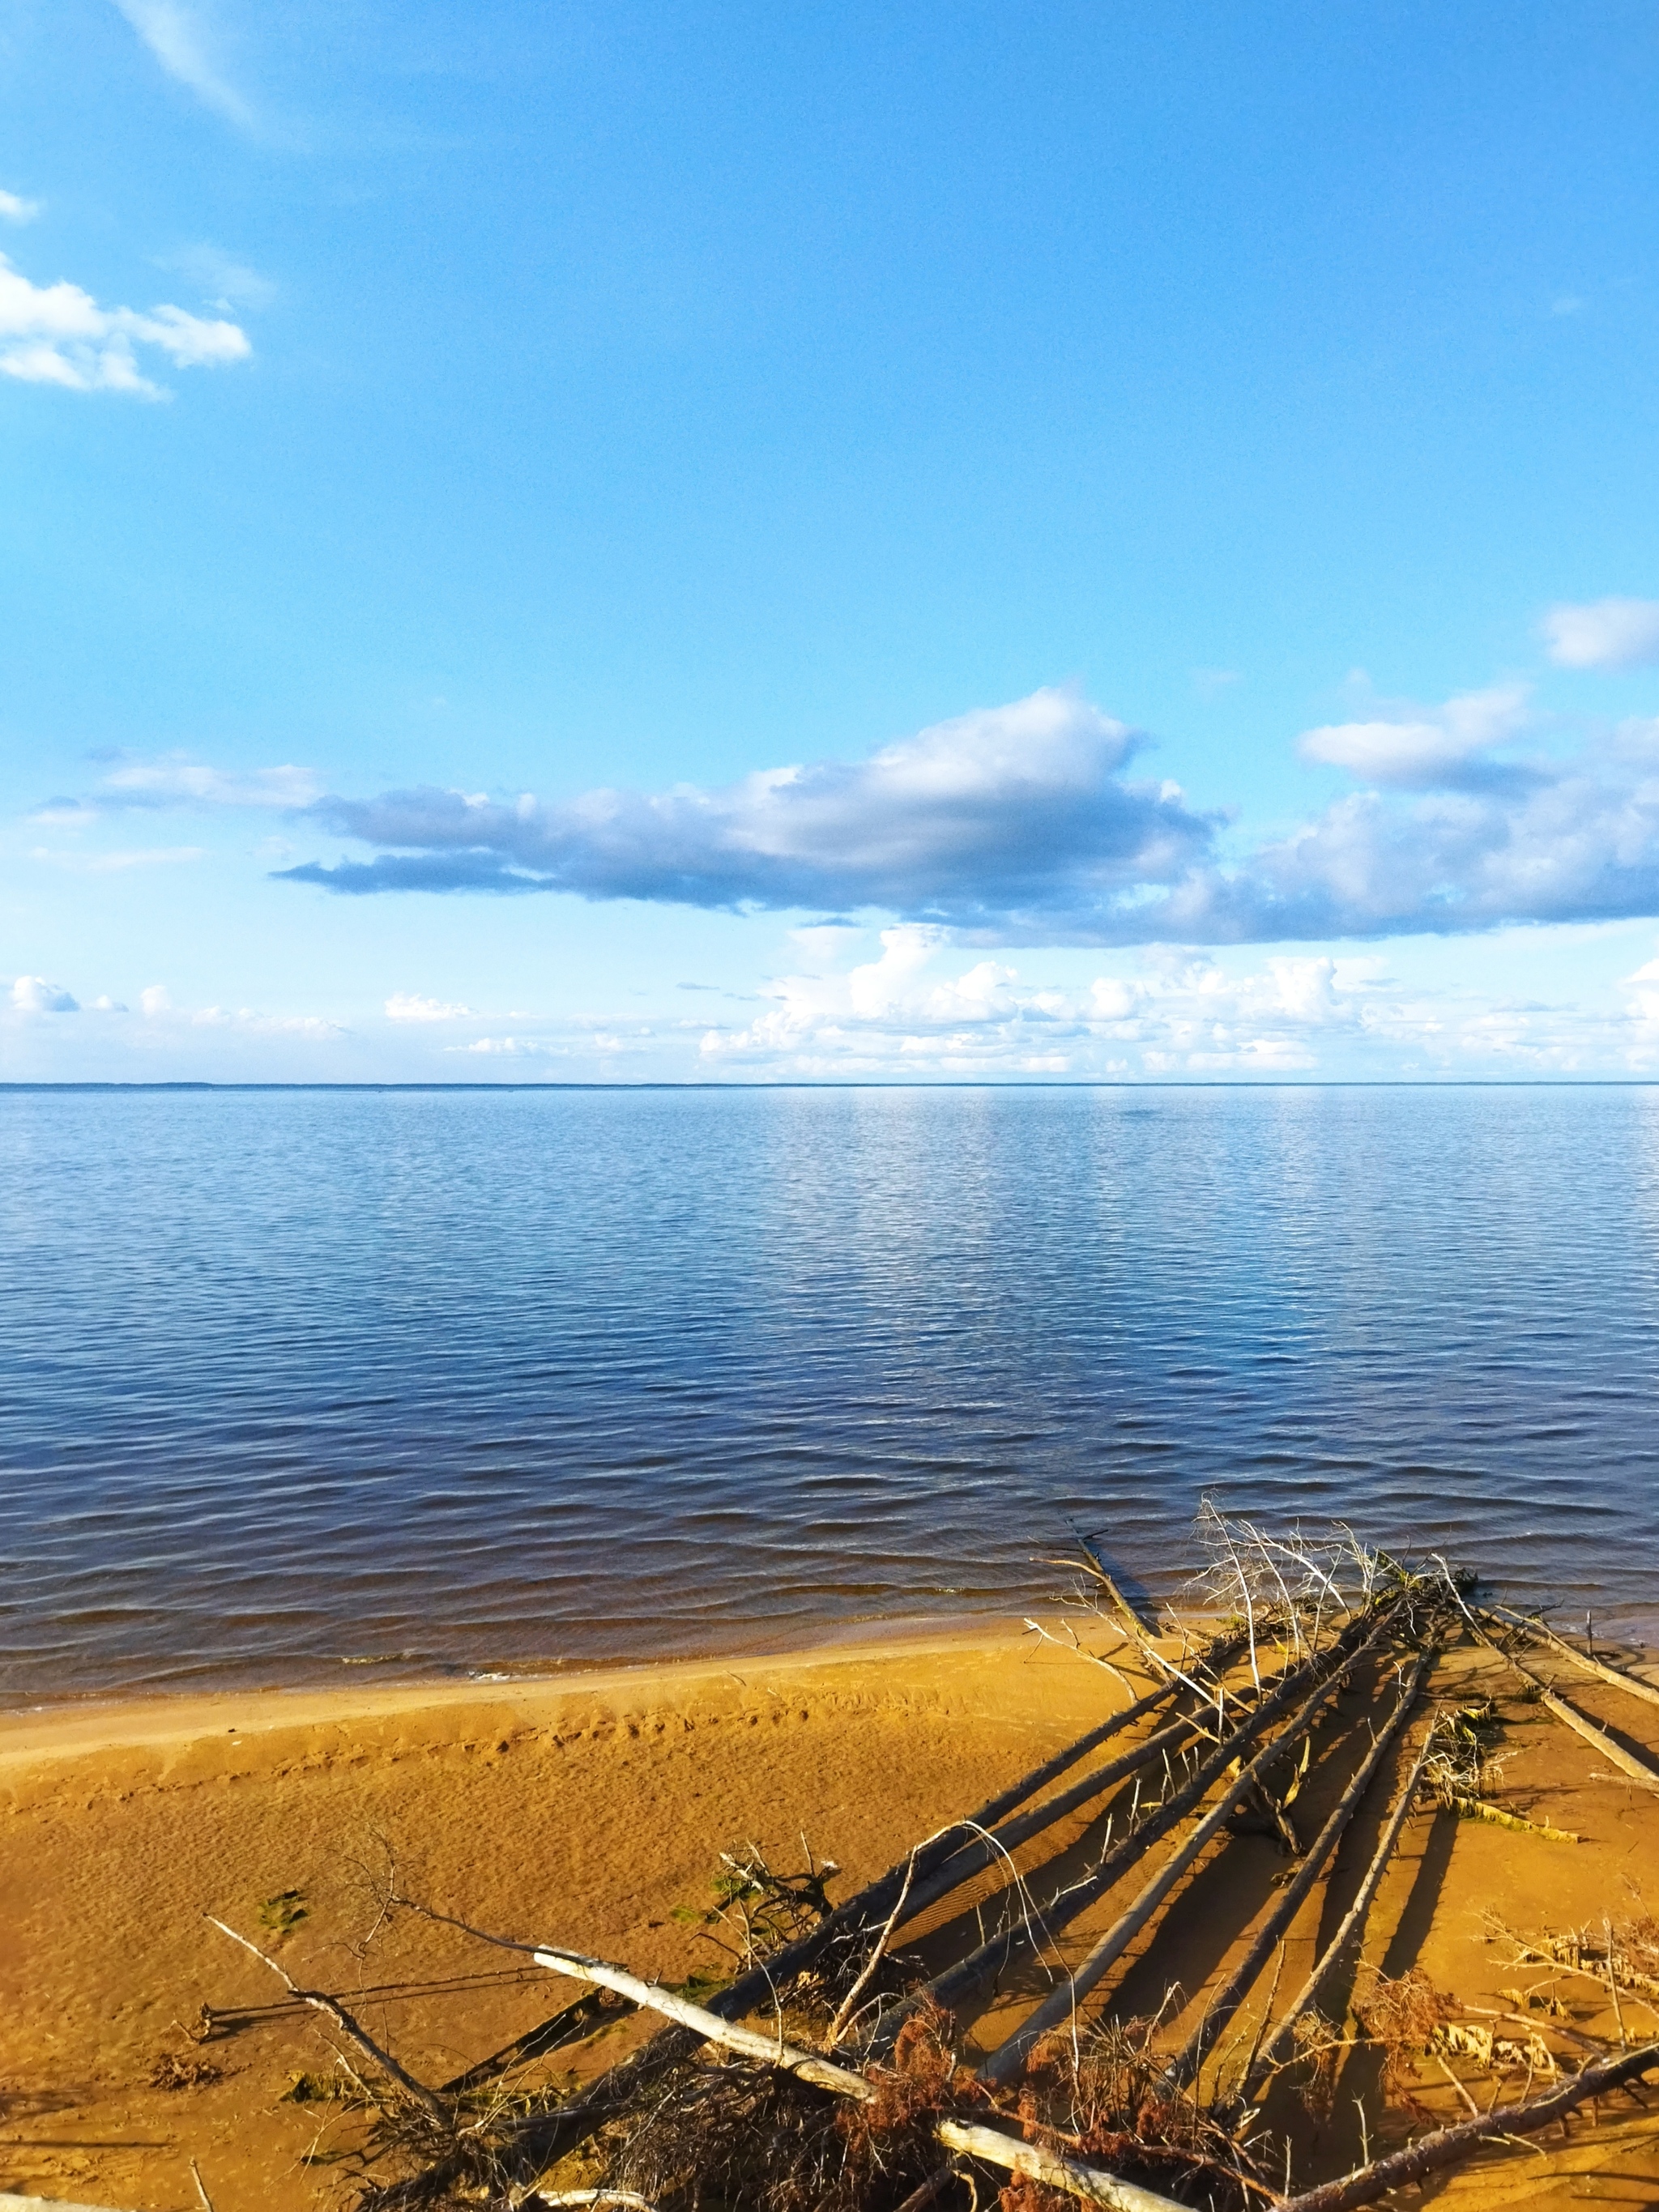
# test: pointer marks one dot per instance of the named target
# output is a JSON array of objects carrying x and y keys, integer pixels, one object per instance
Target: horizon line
[{"x": 990, "y": 1083}]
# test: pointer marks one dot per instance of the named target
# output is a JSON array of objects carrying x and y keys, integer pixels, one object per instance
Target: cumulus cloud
[
  {"x": 15, "y": 209},
  {"x": 177, "y": 39},
  {"x": 33, "y": 994},
  {"x": 1022, "y": 825},
  {"x": 1605, "y": 634},
  {"x": 156, "y": 1003},
  {"x": 59, "y": 334},
  {"x": 995, "y": 819},
  {"x": 896, "y": 1014},
  {"x": 1424, "y": 749},
  {"x": 1555, "y": 841},
  {"x": 409, "y": 1006}
]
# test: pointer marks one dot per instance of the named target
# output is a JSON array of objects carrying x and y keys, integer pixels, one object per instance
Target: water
[{"x": 481, "y": 1380}]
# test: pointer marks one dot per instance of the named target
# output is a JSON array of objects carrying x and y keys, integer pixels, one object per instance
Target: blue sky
[{"x": 737, "y": 542}]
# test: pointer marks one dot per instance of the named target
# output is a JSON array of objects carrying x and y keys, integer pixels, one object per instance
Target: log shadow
[
  {"x": 1198, "y": 1927},
  {"x": 1219, "y": 1900},
  {"x": 1340, "y": 2140},
  {"x": 951, "y": 1939},
  {"x": 1227, "y": 1895}
]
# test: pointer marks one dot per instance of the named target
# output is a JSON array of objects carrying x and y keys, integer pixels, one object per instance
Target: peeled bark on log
[
  {"x": 1010, "y": 2056},
  {"x": 1219, "y": 2016},
  {"x": 970, "y": 2138},
  {"x": 1451, "y": 2146}
]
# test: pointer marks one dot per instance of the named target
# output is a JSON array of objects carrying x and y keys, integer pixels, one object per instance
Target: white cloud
[
  {"x": 311, "y": 1026},
  {"x": 156, "y": 1001},
  {"x": 1017, "y": 826},
  {"x": 409, "y": 1006},
  {"x": 59, "y": 334},
  {"x": 175, "y": 779},
  {"x": 1419, "y": 748},
  {"x": 105, "y": 1004},
  {"x": 15, "y": 209},
  {"x": 178, "y": 41},
  {"x": 515, "y": 1047},
  {"x": 107, "y": 864},
  {"x": 1175, "y": 1016},
  {"x": 582, "y": 1040},
  {"x": 895, "y": 1016},
  {"x": 222, "y": 281},
  {"x": 1023, "y": 806},
  {"x": 1605, "y": 634},
  {"x": 33, "y": 994}
]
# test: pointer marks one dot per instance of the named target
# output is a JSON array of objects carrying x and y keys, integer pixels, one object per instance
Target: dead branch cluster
[{"x": 817, "y": 2061}]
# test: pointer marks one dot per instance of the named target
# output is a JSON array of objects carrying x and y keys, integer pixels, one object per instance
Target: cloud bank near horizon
[{"x": 1025, "y": 824}]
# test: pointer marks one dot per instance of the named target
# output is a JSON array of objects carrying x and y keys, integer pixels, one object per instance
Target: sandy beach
[{"x": 584, "y": 1810}]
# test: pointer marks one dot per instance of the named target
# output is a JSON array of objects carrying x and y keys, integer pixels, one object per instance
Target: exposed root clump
[
  {"x": 1401, "y": 2017},
  {"x": 1104, "y": 2096},
  {"x": 735, "y": 2135}
]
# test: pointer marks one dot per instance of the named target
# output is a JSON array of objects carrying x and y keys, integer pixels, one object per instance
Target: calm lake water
[{"x": 482, "y": 1380}]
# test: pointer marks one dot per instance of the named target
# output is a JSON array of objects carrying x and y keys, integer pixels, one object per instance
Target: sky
[{"x": 749, "y": 544}]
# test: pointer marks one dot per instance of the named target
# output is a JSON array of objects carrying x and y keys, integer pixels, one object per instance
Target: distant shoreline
[{"x": 968, "y": 1083}]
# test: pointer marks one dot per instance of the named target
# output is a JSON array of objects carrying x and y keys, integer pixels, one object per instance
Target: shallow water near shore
[{"x": 485, "y": 1380}]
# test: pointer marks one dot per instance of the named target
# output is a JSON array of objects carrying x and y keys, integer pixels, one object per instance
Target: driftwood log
[
  {"x": 1450, "y": 2146},
  {"x": 542, "y": 2136},
  {"x": 1541, "y": 1633},
  {"x": 967, "y": 2138}
]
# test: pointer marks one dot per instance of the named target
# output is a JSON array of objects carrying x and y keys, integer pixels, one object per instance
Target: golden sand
[{"x": 582, "y": 1810}]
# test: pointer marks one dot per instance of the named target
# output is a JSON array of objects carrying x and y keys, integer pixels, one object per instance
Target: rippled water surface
[{"x": 482, "y": 1379}]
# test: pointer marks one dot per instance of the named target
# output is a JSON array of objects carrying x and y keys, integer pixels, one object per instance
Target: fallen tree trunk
[
  {"x": 1353, "y": 1921},
  {"x": 1625, "y": 1761},
  {"x": 1219, "y": 2016},
  {"x": 1544, "y": 1633},
  {"x": 983, "y": 1851},
  {"x": 1010, "y": 2056},
  {"x": 960, "y": 1983},
  {"x": 1451, "y": 2146},
  {"x": 969, "y": 2138},
  {"x": 540, "y": 2134}
]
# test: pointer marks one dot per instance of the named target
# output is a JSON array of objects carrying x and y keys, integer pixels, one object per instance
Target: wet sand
[{"x": 583, "y": 1810}]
